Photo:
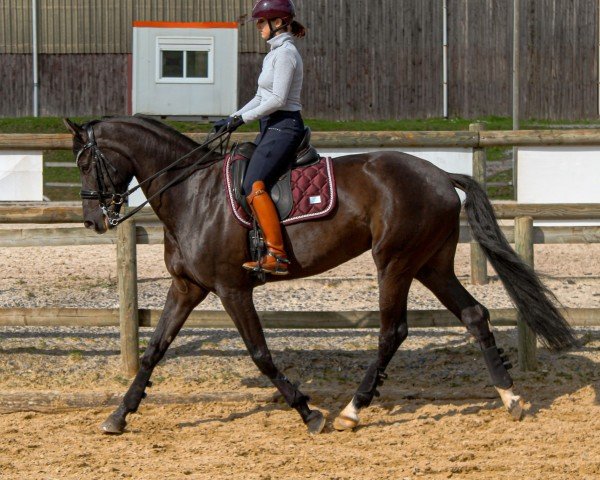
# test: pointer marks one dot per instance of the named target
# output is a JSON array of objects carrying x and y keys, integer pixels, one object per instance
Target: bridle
[
  {"x": 102, "y": 194},
  {"x": 111, "y": 201}
]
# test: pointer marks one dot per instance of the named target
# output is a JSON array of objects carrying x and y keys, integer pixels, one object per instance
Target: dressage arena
[{"x": 210, "y": 414}]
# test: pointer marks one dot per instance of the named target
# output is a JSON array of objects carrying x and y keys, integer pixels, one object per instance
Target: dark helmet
[{"x": 271, "y": 9}]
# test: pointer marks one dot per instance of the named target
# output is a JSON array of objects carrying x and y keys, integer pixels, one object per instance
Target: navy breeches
[{"x": 280, "y": 135}]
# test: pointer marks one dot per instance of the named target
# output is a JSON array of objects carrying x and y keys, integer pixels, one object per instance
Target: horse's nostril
[{"x": 88, "y": 224}]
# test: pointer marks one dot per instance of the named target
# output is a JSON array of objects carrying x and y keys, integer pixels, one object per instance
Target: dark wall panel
[
  {"x": 363, "y": 59},
  {"x": 480, "y": 57},
  {"x": 368, "y": 60},
  {"x": 248, "y": 72},
  {"x": 17, "y": 85},
  {"x": 559, "y": 58},
  {"x": 83, "y": 84}
]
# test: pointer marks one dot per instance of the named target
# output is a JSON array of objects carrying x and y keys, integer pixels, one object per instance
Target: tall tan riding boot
[{"x": 263, "y": 208}]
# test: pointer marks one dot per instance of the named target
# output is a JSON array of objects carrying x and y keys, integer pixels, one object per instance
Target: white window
[{"x": 184, "y": 60}]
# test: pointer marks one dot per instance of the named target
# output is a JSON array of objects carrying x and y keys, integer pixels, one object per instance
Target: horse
[{"x": 402, "y": 208}]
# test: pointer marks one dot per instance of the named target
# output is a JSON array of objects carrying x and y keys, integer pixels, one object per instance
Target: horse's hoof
[
  {"x": 516, "y": 409},
  {"x": 315, "y": 422},
  {"x": 113, "y": 425},
  {"x": 342, "y": 422},
  {"x": 513, "y": 403}
]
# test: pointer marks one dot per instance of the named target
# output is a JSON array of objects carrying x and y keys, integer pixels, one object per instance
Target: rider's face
[{"x": 263, "y": 27}]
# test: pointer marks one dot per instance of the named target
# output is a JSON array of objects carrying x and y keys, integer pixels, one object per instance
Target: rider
[{"x": 277, "y": 105}]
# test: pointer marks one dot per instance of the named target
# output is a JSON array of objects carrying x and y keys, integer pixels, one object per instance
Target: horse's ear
[{"x": 75, "y": 129}]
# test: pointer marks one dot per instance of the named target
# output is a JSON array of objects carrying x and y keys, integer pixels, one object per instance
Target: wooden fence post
[
  {"x": 527, "y": 339},
  {"x": 478, "y": 260},
  {"x": 128, "y": 304}
]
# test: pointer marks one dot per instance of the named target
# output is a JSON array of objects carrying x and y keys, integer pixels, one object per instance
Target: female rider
[{"x": 277, "y": 106}]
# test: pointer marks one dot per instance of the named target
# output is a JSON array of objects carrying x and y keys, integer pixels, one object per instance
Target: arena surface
[{"x": 438, "y": 417}]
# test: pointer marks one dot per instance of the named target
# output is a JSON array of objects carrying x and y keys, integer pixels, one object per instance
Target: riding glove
[
  {"x": 219, "y": 124},
  {"x": 234, "y": 123}
]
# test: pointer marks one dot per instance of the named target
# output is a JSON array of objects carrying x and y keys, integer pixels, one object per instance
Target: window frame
[{"x": 185, "y": 44}]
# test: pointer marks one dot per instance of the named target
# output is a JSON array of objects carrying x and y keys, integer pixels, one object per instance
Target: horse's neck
[
  {"x": 170, "y": 204},
  {"x": 148, "y": 163}
]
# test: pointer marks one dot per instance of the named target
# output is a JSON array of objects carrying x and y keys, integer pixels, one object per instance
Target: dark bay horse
[{"x": 404, "y": 209}]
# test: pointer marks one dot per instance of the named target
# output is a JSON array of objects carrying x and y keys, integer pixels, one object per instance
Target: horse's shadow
[
  {"x": 448, "y": 371},
  {"x": 444, "y": 366},
  {"x": 231, "y": 417}
]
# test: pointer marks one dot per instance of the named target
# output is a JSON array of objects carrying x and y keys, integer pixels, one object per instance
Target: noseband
[{"x": 111, "y": 201}]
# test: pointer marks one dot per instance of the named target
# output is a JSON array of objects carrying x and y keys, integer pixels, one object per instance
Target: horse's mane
[
  {"x": 161, "y": 126},
  {"x": 160, "y": 139},
  {"x": 151, "y": 124}
]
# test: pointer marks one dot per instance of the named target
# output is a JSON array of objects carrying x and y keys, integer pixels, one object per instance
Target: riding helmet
[{"x": 271, "y": 9}]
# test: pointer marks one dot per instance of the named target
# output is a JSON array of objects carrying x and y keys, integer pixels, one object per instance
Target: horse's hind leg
[
  {"x": 183, "y": 296},
  {"x": 394, "y": 284},
  {"x": 438, "y": 275}
]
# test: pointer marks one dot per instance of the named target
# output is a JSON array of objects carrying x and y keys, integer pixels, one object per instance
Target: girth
[{"x": 281, "y": 192}]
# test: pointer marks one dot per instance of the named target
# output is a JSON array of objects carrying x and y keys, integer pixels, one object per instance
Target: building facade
[{"x": 363, "y": 59}]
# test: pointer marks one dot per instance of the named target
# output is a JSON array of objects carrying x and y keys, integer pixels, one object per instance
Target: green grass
[
  {"x": 36, "y": 125},
  {"x": 60, "y": 174},
  {"x": 71, "y": 175},
  {"x": 505, "y": 192},
  {"x": 55, "y": 124}
]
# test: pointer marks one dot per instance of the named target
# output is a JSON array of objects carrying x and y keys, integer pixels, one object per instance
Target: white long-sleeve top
[{"x": 279, "y": 83}]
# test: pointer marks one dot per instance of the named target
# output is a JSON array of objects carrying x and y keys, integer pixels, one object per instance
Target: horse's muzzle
[{"x": 99, "y": 227}]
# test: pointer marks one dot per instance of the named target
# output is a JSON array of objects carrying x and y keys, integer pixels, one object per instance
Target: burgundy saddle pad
[{"x": 313, "y": 192}]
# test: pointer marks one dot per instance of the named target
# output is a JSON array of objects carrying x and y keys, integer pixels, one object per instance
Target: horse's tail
[{"x": 534, "y": 302}]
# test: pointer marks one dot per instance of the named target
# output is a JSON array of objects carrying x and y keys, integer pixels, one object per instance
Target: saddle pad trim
[{"x": 290, "y": 220}]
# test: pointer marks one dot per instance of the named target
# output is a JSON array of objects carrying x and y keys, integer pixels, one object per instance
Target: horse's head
[{"x": 105, "y": 172}]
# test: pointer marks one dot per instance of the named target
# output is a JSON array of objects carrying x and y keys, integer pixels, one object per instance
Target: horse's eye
[
  {"x": 85, "y": 166},
  {"x": 84, "y": 163}
]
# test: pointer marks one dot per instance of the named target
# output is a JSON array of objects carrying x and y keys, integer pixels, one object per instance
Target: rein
[{"x": 102, "y": 165}]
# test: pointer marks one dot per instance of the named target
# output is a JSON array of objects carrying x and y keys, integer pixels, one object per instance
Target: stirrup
[
  {"x": 279, "y": 259},
  {"x": 279, "y": 270},
  {"x": 258, "y": 267}
]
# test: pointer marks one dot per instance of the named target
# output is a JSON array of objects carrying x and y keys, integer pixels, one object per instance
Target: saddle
[{"x": 305, "y": 192}]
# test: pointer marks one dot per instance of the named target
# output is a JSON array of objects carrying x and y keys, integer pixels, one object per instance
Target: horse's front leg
[
  {"x": 240, "y": 307},
  {"x": 183, "y": 296}
]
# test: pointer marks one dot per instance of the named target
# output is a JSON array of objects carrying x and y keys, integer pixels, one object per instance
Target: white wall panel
[{"x": 21, "y": 176}]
